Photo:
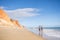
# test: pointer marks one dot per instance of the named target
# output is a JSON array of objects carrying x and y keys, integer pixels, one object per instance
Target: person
[{"x": 40, "y": 31}]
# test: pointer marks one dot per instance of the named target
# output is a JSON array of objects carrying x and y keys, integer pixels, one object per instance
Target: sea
[{"x": 49, "y": 33}]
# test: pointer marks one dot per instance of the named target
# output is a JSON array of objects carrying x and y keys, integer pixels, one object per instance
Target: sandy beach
[{"x": 14, "y": 33}]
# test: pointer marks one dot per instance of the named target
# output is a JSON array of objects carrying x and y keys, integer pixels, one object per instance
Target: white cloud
[
  {"x": 1, "y": 7},
  {"x": 24, "y": 12}
]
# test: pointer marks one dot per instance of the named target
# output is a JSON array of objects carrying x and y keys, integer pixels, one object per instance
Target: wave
[{"x": 52, "y": 33}]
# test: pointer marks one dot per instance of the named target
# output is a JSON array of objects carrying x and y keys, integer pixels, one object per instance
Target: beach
[{"x": 15, "y": 33}]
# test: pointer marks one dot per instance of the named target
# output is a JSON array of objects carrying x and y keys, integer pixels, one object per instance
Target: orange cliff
[
  {"x": 16, "y": 23},
  {"x": 5, "y": 18}
]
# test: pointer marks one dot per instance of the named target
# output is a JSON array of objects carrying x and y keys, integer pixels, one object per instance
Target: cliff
[{"x": 5, "y": 19}]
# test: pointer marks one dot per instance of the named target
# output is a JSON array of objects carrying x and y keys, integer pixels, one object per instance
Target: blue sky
[{"x": 33, "y": 12}]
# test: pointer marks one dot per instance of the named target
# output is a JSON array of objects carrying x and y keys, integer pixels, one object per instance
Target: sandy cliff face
[
  {"x": 15, "y": 22},
  {"x": 4, "y": 18}
]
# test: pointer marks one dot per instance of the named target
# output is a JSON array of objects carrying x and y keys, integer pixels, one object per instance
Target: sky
[{"x": 32, "y": 13}]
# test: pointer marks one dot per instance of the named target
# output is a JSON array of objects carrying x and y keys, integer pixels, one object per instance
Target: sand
[{"x": 15, "y": 33}]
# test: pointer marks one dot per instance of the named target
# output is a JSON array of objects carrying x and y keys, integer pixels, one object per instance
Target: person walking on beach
[{"x": 40, "y": 31}]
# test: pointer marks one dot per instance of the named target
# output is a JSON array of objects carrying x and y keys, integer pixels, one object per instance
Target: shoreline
[{"x": 48, "y": 34}]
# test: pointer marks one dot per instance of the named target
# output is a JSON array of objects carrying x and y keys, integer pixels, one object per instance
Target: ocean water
[
  {"x": 51, "y": 34},
  {"x": 48, "y": 33}
]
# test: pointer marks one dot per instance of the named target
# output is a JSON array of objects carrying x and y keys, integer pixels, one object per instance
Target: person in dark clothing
[{"x": 40, "y": 31}]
